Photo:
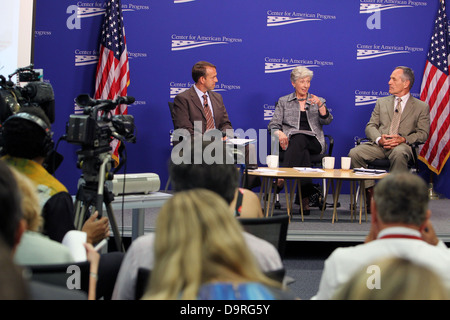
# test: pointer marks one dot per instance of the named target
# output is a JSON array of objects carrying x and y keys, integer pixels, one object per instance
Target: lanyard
[{"x": 400, "y": 236}]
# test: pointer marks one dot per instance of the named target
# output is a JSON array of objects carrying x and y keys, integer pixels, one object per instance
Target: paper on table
[
  {"x": 306, "y": 169},
  {"x": 241, "y": 142},
  {"x": 366, "y": 171},
  {"x": 74, "y": 240},
  {"x": 265, "y": 170}
]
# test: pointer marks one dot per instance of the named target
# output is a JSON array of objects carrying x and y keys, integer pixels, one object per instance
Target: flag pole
[{"x": 432, "y": 195}]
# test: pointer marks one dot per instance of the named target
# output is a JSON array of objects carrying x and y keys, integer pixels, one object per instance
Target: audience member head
[
  {"x": 219, "y": 176},
  {"x": 198, "y": 241},
  {"x": 402, "y": 197},
  {"x": 30, "y": 202},
  {"x": 12, "y": 283},
  {"x": 11, "y": 225},
  {"x": 398, "y": 279},
  {"x": 199, "y": 70},
  {"x": 27, "y": 134}
]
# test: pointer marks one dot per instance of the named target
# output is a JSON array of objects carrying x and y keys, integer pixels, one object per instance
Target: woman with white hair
[{"x": 297, "y": 122}]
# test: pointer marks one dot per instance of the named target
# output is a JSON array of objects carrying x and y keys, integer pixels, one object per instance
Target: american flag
[
  {"x": 113, "y": 72},
  {"x": 435, "y": 90}
]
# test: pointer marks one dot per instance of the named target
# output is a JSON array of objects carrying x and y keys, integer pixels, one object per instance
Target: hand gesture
[{"x": 96, "y": 229}]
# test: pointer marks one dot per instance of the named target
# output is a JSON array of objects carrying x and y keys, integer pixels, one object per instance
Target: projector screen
[{"x": 16, "y": 35}]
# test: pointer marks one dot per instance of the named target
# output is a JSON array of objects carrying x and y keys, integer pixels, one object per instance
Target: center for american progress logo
[
  {"x": 281, "y": 18},
  {"x": 186, "y": 42}
]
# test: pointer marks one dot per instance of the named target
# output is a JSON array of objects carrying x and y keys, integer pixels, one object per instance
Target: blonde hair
[
  {"x": 30, "y": 202},
  {"x": 400, "y": 279},
  {"x": 198, "y": 240}
]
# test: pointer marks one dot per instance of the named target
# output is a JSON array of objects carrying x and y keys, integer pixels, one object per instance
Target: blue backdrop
[{"x": 352, "y": 46}]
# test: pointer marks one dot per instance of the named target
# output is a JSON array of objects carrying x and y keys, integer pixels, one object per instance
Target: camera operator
[{"x": 27, "y": 143}]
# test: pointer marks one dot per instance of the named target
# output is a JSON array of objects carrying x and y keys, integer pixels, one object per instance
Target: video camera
[
  {"x": 35, "y": 93},
  {"x": 96, "y": 127}
]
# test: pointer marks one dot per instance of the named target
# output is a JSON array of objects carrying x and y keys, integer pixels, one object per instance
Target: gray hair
[
  {"x": 401, "y": 197},
  {"x": 300, "y": 73},
  {"x": 408, "y": 74}
]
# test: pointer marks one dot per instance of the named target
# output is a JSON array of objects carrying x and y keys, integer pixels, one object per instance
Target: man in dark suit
[
  {"x": 200, "y": 109},
  {"x": 390, "y": 138},
  {"x": 200, "y": 103}
]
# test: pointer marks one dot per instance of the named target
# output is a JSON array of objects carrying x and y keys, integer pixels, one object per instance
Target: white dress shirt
[{"x": 343, "y": 263}]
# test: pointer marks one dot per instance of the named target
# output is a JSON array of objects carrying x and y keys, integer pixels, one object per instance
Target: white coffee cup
[
  {"x": 345, "y": 163},
  {"x": 328, "y": 162},
  {"x": 272, "y": 161}
]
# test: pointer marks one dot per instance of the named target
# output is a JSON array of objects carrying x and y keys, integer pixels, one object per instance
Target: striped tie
[
  {"x": 396, "y": 118},
  {"x": 208, "y": 114}
]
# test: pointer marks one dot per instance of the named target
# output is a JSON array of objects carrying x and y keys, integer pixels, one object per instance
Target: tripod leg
[
  {"x": 112, "y": 220},
  {"x": 80, "y": 212}
]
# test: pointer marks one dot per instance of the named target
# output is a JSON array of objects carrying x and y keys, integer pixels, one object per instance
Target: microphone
[
  {"x": 40, "y": 91},
  {"x": 85, "y": 101},
  {"x": 42, "y": 94},
  {"x": 125, "y": 100}
]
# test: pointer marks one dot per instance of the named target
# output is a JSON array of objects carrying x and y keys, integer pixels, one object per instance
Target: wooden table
[{"x": 268, "y": 188}]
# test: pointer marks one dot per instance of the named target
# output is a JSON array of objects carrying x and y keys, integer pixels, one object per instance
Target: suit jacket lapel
[
  {"x": 197, "y": 102},
  {"x": 409, "y": 107},
  {"x": 390, "y": 107}
]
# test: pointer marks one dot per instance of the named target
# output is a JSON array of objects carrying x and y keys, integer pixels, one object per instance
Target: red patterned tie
[
  {"x": 396, "y": 118},
  {"x": 208, "y": 114}
]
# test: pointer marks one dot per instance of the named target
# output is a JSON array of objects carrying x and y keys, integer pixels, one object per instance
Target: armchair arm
[{"x": 331, "y": 144}]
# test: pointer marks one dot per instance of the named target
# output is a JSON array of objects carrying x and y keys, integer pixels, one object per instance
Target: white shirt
[
  {"x": 140, "y": 255},
  {"x": 403, "y": 103},
  {"x": 343, "y": 263}
]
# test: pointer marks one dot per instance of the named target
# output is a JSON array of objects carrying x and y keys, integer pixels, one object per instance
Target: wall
[{"x": 253, "y": 43}]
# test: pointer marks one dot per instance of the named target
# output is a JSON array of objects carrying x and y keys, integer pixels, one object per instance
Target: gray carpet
[{"x": 315, "y": 229}]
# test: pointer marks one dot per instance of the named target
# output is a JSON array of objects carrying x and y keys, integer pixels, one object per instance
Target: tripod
[{"x": 92, "y": 190}]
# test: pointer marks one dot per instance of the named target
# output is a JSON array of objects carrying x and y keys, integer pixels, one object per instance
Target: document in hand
[{"x": 74, "y": 240}]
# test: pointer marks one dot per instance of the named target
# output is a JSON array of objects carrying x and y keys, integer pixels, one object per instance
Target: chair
[
  {"x": 171, "y": 139},
  {"x": 142, "y": 279},
  {"x": 61, "y": 275},
  {"x": 272, "y": 229}
]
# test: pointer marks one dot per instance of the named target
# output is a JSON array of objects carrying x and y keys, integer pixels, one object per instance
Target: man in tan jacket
[{"x": 390, "y": 138}]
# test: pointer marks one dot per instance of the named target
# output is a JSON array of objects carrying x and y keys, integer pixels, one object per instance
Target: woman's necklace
[{"x": 302, "y": 103}]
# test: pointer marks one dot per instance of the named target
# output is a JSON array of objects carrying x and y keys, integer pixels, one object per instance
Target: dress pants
[
  {"x": 367, "y": 152},
  {"x": 298, "y": 154}
]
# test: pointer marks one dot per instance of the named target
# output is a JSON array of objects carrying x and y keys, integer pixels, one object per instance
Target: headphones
[{"x": 47, "y": 143}]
